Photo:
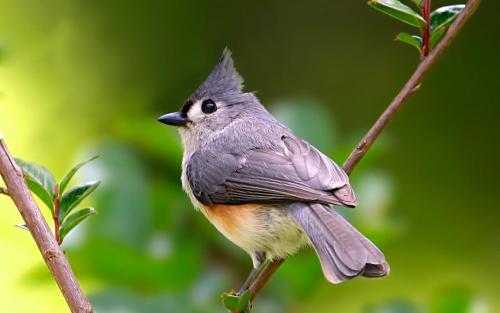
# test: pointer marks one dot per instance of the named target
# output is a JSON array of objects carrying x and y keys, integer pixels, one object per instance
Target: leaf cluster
[
  {"x": 440, "y": 20},
  {"x": 61, "y": 203}
]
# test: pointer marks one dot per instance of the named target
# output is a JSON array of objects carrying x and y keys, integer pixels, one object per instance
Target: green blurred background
[{"x": 79, "y": 78}]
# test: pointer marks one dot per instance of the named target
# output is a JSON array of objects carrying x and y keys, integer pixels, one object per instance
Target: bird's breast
[{"x": 253, "y": 227}]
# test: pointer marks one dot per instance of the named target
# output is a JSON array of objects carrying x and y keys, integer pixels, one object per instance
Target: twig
[
  {"x": 49, "y": 248},
  {"x": 4, "y": 191},
  {"x": 409, "y": 88},
  {"x": 55, "y": 217},
  {"x": 426, "y": 36},
  {"x": 264, "y": 277}
]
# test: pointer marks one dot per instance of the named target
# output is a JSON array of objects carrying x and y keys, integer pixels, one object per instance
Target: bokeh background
[{"x": 79, "y": 78}]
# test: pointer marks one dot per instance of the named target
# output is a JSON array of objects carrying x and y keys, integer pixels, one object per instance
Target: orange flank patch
[{"x": 231, "y": 220}]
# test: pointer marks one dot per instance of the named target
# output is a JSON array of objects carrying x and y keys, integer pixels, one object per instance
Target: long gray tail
[{"x": 343, "y": 251}]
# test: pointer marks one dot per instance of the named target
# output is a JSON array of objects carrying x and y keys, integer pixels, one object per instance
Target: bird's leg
[{"x": 259, "y": 263}]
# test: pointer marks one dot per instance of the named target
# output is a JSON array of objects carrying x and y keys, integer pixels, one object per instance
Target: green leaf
[
  {"x": 74, "y": 196},
  {"x": 67, "y": 178},
  {"x": 73, "y": 220},
  {"x": 234, "y": 302},
  {"x": 230, "y": 301},
  {"x": 399, "y": 11},
  {"x": 418, "y": 3},
  {"x": 38, "y": 174},
  {"x": 437, "y": 35},
  {"x": 412, "y": 40},
  {"x": 444, "y": 16},
  {"x": 244, "y": 300},
  {"x": 41, "y": 193}
]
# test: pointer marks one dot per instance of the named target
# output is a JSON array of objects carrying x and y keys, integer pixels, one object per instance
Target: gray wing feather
[
  {"x": 312, "y": 165},
  {"x": 298, "y": 173}
]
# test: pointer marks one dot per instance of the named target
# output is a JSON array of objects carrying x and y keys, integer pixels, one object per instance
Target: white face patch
[{"x": 195, "y": 114}]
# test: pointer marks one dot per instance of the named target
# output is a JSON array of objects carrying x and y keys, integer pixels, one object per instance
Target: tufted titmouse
[{"x": 266, "y": 190}]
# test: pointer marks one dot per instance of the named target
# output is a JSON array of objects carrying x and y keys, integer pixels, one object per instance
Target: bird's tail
[{"x": 343, "y": 251}]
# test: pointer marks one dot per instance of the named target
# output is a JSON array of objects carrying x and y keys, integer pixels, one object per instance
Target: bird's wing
[{"x": 299, "y": 173}]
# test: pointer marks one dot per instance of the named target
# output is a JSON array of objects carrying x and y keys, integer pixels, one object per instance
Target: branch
[
  {"x": 49, "y": 248},
  {"x": 409, "y": 88}
]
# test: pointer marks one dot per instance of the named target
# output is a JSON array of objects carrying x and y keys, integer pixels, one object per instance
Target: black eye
[{"x": 208, "y": 106}]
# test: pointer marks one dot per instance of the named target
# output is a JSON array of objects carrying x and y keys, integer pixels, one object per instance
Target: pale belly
[{"x": 255, "y": 228}]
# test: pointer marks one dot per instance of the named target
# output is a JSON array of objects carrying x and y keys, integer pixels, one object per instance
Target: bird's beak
[{"x": 174, "y": 119}]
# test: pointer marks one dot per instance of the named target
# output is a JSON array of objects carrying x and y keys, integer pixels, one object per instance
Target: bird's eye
[{"x": 208, "y": 106}]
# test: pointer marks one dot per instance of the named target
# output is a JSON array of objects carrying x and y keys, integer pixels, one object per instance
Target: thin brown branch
[
  {"x": 55, "y": 217},
  {"x": 49, "y": 248},
  {"x": 409, "y": 88},
  {"x": 264, "y": 277},
  {"x": 426, "y": 36}
]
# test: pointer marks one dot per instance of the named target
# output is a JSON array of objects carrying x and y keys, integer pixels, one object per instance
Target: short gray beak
[{"x": 174, "y": 119}]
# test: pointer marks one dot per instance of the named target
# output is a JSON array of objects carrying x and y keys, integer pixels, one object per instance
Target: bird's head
[{"x": 217, "y": 102}]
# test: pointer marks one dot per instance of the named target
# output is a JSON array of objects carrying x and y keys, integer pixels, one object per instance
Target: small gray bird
[{"x": 265, "y": 189}]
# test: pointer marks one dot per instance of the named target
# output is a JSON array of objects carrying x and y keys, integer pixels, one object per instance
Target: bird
[{"x": 268, "y": 191}]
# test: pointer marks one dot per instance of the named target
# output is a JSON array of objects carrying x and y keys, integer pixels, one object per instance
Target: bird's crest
[{"x": 223, "y": 80}]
